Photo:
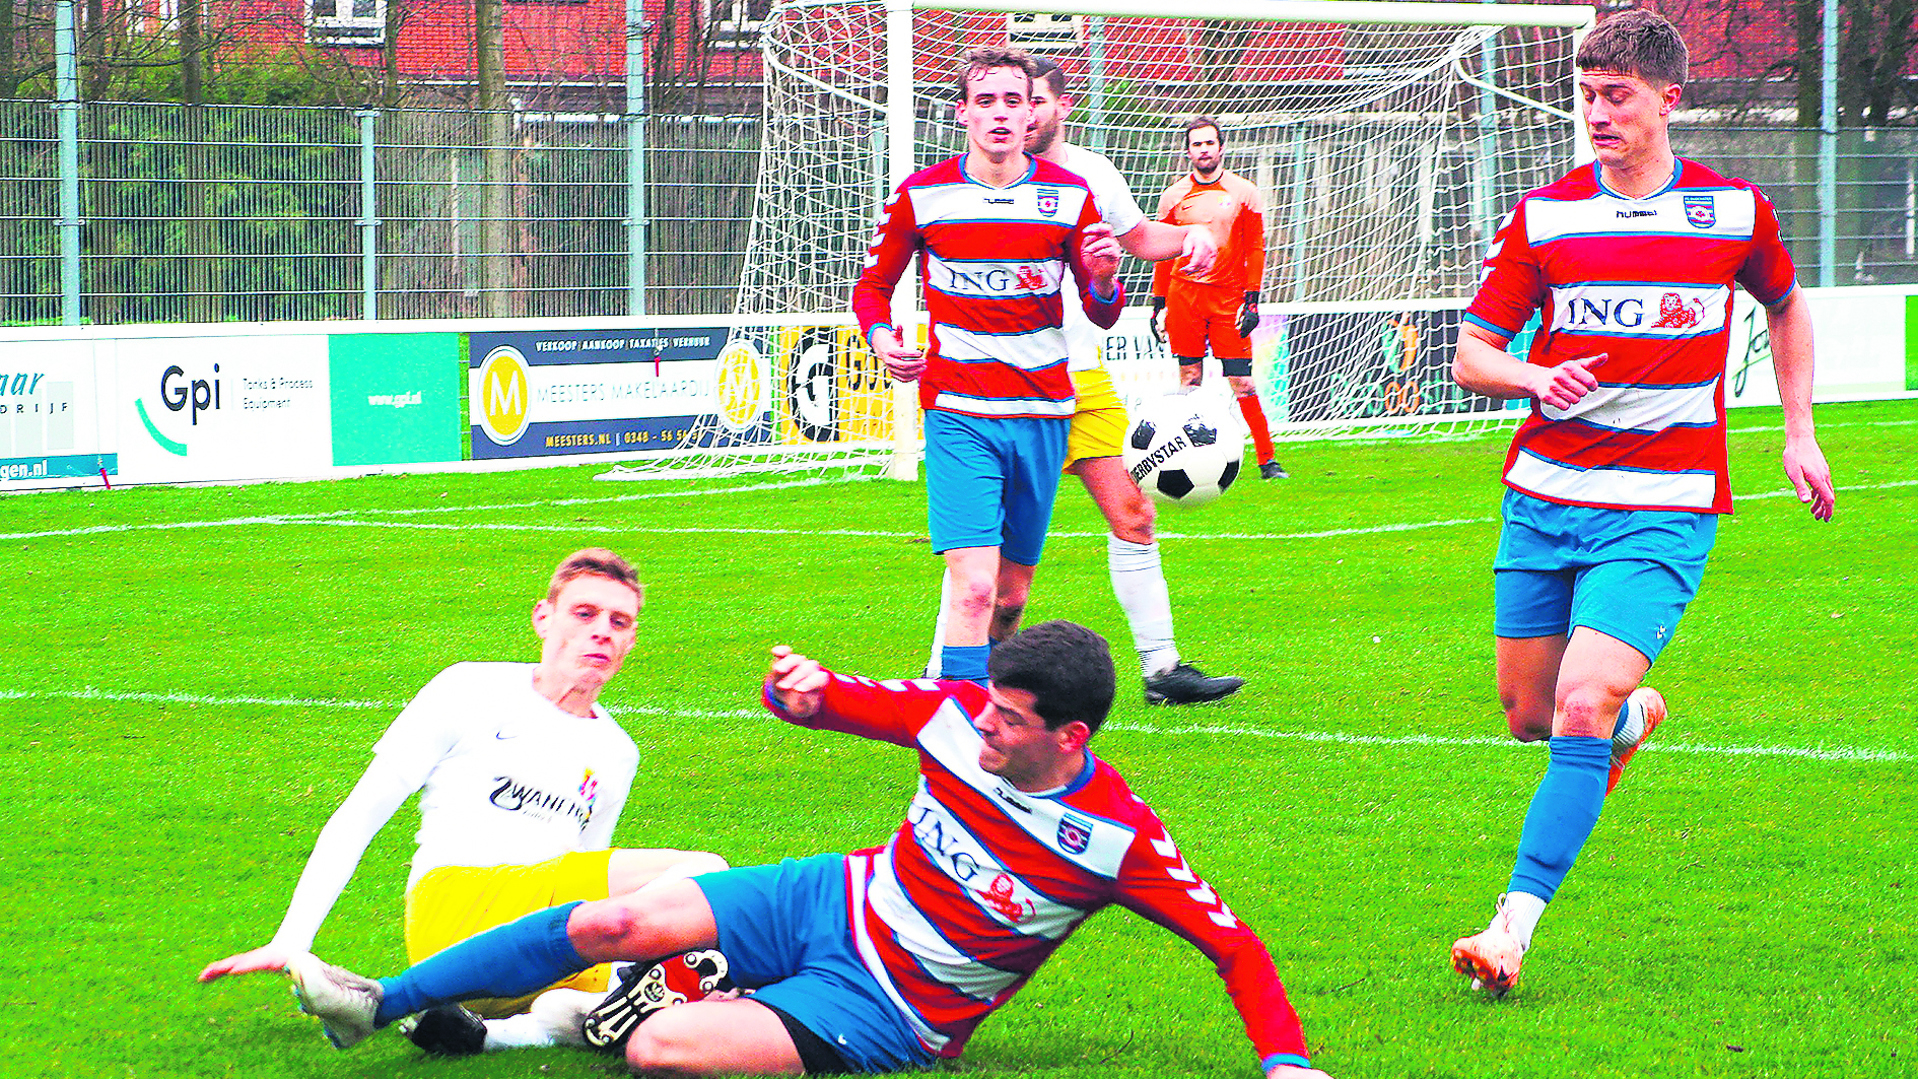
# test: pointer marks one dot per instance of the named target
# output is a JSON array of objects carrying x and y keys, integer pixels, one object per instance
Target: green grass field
[{"x": 195, "y": 677}]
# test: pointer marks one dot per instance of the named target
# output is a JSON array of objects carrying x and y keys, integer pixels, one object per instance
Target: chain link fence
[{"x": 257, "y": 213}]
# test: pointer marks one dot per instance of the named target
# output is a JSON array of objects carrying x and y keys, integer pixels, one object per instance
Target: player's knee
[
  {"x": 619, "y": 927},
  {"x": 1588, "y": 710},
  {"x": 1008, "y": 609},
  {"x": 1133, "y": 521},
  {"x": 658, "y": 1045},
  {"x": 701, "y": 861},
  {"x": 971, "y": 594},
  {"x": 1528, "y": 716}
]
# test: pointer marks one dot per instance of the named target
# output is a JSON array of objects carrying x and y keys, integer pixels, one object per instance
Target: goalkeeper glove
[
  {"x": 1153, "y": 323},
  {"x": 1248, "y": 315}
]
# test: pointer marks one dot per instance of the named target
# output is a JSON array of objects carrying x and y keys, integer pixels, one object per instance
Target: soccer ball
[{"x": 1184, "y": 448}]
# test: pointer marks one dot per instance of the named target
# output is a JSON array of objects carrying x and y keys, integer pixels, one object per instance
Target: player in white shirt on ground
[
  {"x": 1099, "y": 423},
  {"x": 522, "y": 776}
]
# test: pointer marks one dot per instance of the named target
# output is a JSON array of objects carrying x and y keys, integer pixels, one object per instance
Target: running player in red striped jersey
[
  {"x": 1000, "y": 233},
  {"x": 890, "y": 957},
  {"x": 1617, "y": 477}
]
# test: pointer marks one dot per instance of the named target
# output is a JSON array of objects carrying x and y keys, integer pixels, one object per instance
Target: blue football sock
[
  {"x": 964, "y": 662},
  {"x": 511, "y": 960},
  {"x": 1562, "y": 815}
]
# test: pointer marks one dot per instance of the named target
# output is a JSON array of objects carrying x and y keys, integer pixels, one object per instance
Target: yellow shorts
[
  {"x": 1099, "y": 420},
  {"x": 452, "y": 903}
]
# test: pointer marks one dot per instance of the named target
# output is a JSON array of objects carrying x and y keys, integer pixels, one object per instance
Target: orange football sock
[{"x": 1254, "y": 415}]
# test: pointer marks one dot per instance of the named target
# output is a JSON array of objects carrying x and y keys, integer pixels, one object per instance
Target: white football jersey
[
  {"x": 1121, "y": 211},
  {"x": 505, "y": 776}
]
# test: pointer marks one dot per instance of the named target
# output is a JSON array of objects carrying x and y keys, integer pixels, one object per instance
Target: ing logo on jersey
[
  {"x": 1030, "y": 279},
  {"x": 998, "y": 895},
  {"x": 1675, "y": 314}
]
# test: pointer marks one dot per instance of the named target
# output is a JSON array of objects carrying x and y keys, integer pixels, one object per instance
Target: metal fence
[
  {"x": 243, "y": 213},
  {"x": 222, "y": 213}
]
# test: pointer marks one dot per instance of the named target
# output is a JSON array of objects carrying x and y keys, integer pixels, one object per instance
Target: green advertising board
[
  {"x": 1911, "y": 342},
  {"x": 396, "y": 397}
]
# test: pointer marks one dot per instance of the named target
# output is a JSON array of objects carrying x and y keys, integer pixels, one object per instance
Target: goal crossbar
[{"x": 1363, "y": 12}]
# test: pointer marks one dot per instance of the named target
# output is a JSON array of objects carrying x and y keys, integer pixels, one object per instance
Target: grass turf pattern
[{"x": 182, "y": 707}]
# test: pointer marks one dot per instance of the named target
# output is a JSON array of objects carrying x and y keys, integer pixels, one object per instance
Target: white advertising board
[
  {"x": 222, "y": 408},
  {"x": 50, "y": 415}
]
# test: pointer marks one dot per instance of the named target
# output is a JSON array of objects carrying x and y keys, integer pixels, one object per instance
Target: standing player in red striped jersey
[
  {"x": 1000, "y": 234},
  {"x": 889, "y": 958},
  {"x": 1617, "y": 477}
]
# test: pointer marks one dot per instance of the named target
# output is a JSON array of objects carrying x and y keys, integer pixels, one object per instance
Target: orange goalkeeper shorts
[{"x": 1200, "y": 317}]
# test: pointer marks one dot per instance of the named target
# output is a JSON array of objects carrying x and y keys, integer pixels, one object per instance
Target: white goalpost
[{"x": 1387, "y": 138}]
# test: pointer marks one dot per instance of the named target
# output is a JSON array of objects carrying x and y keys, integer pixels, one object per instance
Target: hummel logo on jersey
[
  {"x": 1640, "y": 310},
  {"x": 1637, "y": 213},
  {"x": 1006, "y": 796},
  {"x": 1701, "y": 211},
  {"x": 999, "y": 202},
  {"x": 1048, "y": 201}
]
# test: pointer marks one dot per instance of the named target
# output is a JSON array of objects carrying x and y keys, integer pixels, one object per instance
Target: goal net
[{"x": 1388, "y": 140}]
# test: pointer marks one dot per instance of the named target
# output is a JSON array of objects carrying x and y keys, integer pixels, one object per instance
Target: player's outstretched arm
[
  {"x": 265, "y": 958},
  {"x": 1791, "y": 349},
  {"x": 796, "y": 682},
  {"x": 1156, "y": 241}
]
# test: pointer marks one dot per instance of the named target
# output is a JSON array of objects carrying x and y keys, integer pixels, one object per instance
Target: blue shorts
[
  {"x": 784, "y": 932},
  {"x": 1626, "y": 573},
  {"x": 991, "y": 482}
]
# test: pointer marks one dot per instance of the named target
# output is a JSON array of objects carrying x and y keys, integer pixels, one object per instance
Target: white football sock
[
  {"x": 1522, "y": 911},
  {"x": 556, "y": 1018},
  {"x": 1632, "y": 731},
  {"x": 933, "y": 665},
  {"x": 1138, "y": 581}
]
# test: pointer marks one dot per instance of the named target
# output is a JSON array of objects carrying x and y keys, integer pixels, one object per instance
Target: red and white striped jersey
[
  {"x": 994, "y": 269},
  {"x": 1647, "y": 282},
  {"x": 983, "y": 881}
]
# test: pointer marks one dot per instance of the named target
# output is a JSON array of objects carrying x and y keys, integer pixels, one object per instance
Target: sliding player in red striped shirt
[
  {"x": 890, "y": 957},
  {"x": 1618, "y": 475},
  {"x": 1006, "y": 240}
]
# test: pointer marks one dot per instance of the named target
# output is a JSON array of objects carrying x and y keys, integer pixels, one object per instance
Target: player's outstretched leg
[
  {"x": 1644, "y": 710},
  {"x": 1138, "y": 583}
]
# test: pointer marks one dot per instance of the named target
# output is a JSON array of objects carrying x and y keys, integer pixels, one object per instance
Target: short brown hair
[
  {"x": 1636, "y": 42},
  {"x": 987, "y": 57},
  {"x": 598, "y": 562},
  {"x": 1198, "y": 122},
  {"x": 1047, "y": 70}
]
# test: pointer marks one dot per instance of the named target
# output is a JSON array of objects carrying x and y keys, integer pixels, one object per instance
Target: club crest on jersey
[
  {"x": 1075, "y": 834},
  {"x": 1701, "y": 211},
  {"x": 1048, "y": 201}
]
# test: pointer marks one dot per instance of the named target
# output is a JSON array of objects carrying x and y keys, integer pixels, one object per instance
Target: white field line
[
  {"x": 1841, "y": 754},
  {"x": 353, "y": 519}
]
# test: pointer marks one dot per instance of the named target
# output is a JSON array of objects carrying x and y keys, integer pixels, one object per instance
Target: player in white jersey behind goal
[
  {"x": 1099, "y": 420},
  {"x": 522, "y": 776}
]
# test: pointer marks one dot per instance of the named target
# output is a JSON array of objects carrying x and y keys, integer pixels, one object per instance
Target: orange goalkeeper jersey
[{"x": 1232, "y": 208}]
